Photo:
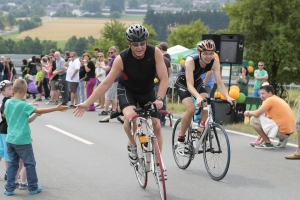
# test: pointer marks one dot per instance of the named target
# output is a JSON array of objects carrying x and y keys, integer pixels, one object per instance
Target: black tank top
[
  {"x": 198, "y": 69},
  {"x": 138, "y": 75}
]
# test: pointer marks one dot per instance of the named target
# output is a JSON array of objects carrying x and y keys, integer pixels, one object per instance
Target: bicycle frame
[
  {"x": 149, "y": 134},
  {"x": 208, "y": 124}
]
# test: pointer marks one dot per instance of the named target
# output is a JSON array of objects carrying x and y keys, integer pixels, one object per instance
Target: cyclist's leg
[
  {"x": 187, "y": 116},
  {"x": 129, "y": 112}
]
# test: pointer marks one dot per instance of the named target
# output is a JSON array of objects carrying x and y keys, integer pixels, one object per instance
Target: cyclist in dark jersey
[
  {"x": 189, "y": 83},
  {"x": 136, "y": 66}
]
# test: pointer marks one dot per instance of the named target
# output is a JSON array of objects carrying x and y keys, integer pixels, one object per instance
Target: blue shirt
[{"x": 210, "y": 82}]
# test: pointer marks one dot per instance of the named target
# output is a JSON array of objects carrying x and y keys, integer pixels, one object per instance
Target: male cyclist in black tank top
[
  {"x": 137, "y": 66},
  {"x": 189, "y": 83}
]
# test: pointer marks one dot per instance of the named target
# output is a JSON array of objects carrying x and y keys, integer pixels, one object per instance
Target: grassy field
[
  {"x": 294, "y": 104},
  {"x": 61, "y": 29}
]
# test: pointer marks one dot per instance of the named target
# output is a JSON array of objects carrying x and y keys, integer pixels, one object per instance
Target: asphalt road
[{"x": 80, "y": 158}]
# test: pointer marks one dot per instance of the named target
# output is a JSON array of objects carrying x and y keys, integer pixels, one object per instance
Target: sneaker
[
  {"x": 282, "y": 143},
  {"x": 157, "y": 170},
  {"x": 265, "y": 145},
  {"x": 132, "y": 153},
  {"x": 39, "y": 100},
  {"x": 9, "y": 193},
  {"x": 38, "y": 190},
  {"x": 181, "y": 148},
  {"x": 255, "y": 143},
  {"x": 23, "y": 186}
]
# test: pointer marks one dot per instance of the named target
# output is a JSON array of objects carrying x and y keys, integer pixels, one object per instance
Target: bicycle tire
[
  {"x": 139, "y": 167},
  {"x": 216, "y": 154},
  {"x": 182, "y": 161},
  {"x": 159, "y": 170}
]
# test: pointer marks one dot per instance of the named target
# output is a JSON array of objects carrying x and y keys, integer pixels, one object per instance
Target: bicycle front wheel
[
  {"x": 159, "y": 173},
  {"x": 139, "y": 167},
  {"x": 216, "y": 152},
  {"x": 183, "y": 160}
]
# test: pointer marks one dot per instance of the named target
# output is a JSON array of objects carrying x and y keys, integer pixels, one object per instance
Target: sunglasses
[
  {"x": 100, "y": 56},
  {"x": 260, "y": 65},
  {"x": 135, "y": 44},
  {"x": 110, "y": 52}
]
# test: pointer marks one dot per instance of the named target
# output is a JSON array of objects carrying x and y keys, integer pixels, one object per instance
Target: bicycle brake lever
[{"x": 232, "y": 107}]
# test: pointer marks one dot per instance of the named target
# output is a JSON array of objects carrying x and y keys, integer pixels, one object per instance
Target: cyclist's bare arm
[
  {"x": 221, "y": 86},
  {"x": 189, "y": 69},
  {"x": 162, "y": 75},
  {"x": 116, "y": 69}
]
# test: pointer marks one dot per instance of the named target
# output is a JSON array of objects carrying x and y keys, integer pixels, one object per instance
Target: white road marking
[
  {"x": 69, "y": 134},
  {"x": 247, "y": 135}
]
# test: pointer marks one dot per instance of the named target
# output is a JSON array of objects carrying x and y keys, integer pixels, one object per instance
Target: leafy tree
[
  {"x": 187, "y": 35},
  {"x": 11, "y": 20},
  {"x": 10, "y": 45},
  {"x": 70, "y": 45},
  {"x": 37, "y": 46},
  {"x": 119, "y": 3},
  {"x": 133, "y": 4},
  {"x": 36, "y": 19},
  {"x": 152, "y": 34},
  {"x": 2, "y": 26},
  {"x": 47, "y": 45},
  {"x": 81, "y": 46},
  {"x": 271, "y": 30},
  {"x": 115, "y": 15},
  {"x": 4, "y": 49},
  {"x": 92, "y": 6},
  {"x": 103, "y": 44},
  {"x": 115, "y": 31}
]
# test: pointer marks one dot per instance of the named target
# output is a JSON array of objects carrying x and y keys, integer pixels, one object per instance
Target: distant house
[
  {"x": 53, "y": 8},
  {"x": 156, "y": 8}
]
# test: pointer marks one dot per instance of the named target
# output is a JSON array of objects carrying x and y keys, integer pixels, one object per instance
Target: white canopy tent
[{"x": 176, "y": 49}]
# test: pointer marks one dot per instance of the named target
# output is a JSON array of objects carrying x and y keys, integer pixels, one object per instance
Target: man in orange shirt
[{"x": 279, "y": 112}]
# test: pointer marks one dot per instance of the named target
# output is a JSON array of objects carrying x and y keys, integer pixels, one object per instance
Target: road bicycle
[
  {"x": 212, "y": 141},
  {"x": 149, "y": 157}
]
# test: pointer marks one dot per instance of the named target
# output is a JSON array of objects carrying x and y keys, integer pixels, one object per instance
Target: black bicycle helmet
[
  {"x": 4, "y": 84},
  {"x": 206, "y": 45},
  {"x": 136, "y": 33}
]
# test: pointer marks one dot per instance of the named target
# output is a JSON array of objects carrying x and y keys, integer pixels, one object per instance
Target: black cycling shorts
[
  {"x": 182, "y": 90},
  {"x": 127, "y": 98}
]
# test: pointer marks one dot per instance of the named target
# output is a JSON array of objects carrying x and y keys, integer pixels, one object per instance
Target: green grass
[
  {"x": 12, "y": 36},
  {"x": 134, "y": 18},
  {"x": 294, "y": 101}
]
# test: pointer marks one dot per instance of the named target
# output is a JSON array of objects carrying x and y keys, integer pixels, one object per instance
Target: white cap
[{"x": 265, "y": 83}]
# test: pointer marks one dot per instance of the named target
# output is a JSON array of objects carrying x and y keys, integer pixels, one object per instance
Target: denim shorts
[{"x": 3, "y": 147}]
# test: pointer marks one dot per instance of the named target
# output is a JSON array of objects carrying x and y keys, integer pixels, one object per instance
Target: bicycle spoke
[
  {"x": 216, "y": 153},
  {"x": 139, "y": 167},
  {"x": 184, "y": 159}
]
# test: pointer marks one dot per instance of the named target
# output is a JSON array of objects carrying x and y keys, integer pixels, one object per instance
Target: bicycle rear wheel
[
  {"x": 159, "y": 173},
  {"x": 139, "y": 167},
  {"x": 182, "y": 161},
  {"x": 216, "y": 152}
]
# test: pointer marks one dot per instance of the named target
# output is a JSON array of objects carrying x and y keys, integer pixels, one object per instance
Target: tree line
[
  {"x": 164, "y": 23},
  {"x": 36, "y": 46}
]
